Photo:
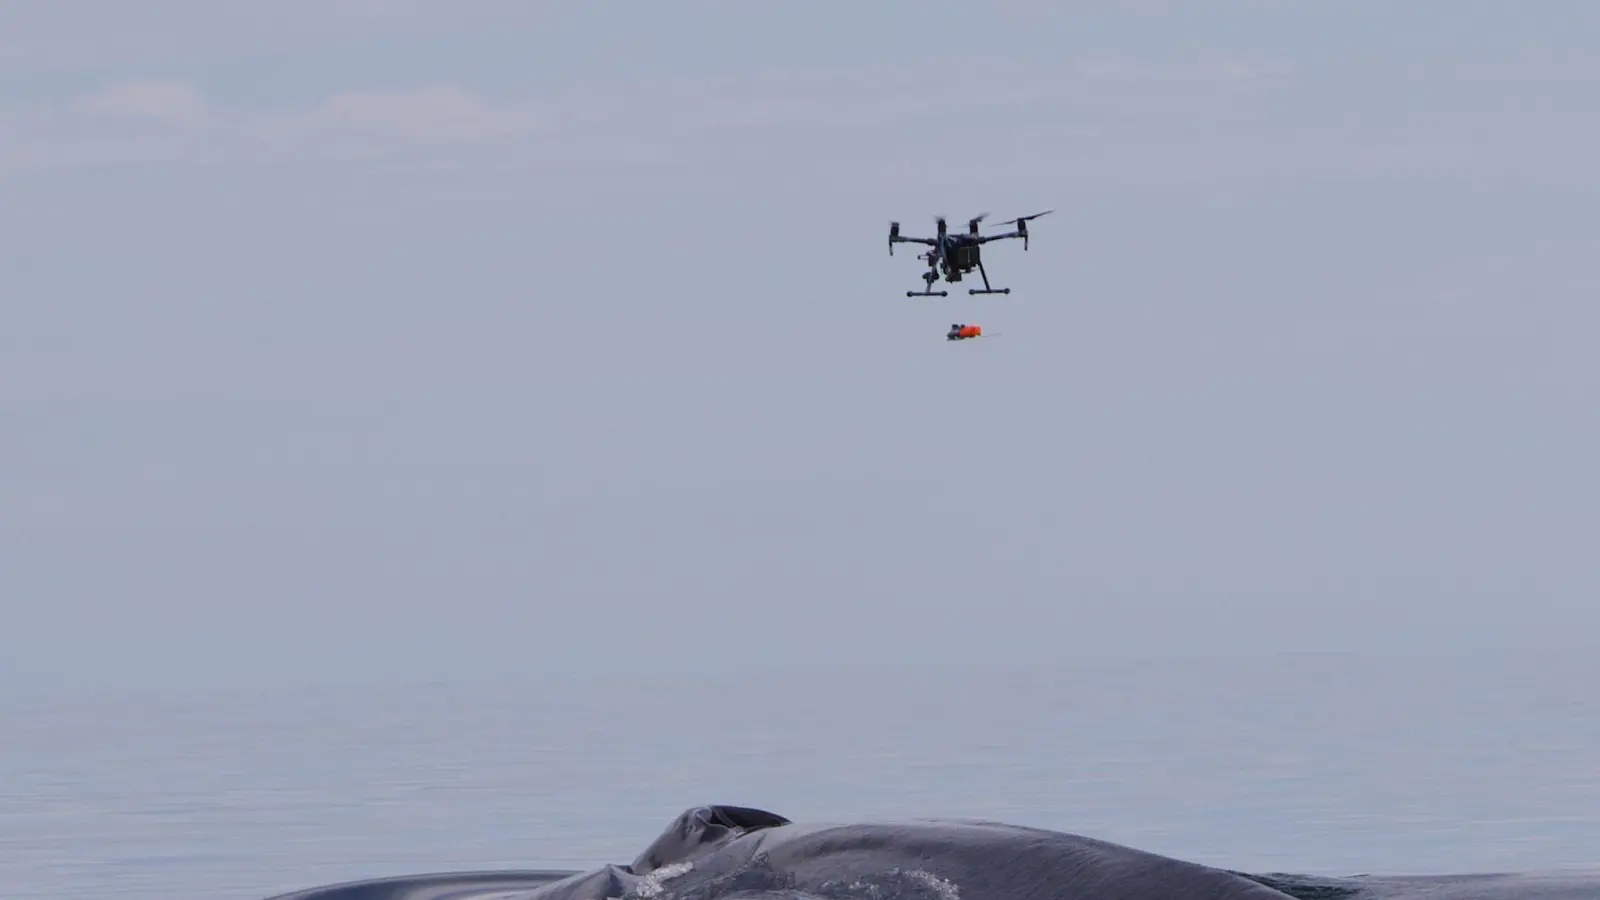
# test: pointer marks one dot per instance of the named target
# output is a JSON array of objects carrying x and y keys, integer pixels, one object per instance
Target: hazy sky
[{"x": 362, "y": 339}]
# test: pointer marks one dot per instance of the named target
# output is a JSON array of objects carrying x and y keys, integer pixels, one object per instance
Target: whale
[{"x": 727, "y": 852}]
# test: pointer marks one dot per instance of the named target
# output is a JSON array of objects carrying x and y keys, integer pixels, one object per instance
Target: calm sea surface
[{"x": 1327, "y": 765}]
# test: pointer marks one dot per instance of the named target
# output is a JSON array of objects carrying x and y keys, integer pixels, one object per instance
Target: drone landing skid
[
  {"x": 986, "y": 289},
  {"x": 927, "y": 293}
]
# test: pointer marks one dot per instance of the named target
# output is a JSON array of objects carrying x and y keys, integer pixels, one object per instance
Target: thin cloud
[
  {"x": 150, "y": 121},
  {"x": 169, "y": 121},
  {"x": 62, "y": 35},
  {"x": 148, "y": 99},
  {"x": 1116, "y": 69},
  {"x": 374, "y": 123}
]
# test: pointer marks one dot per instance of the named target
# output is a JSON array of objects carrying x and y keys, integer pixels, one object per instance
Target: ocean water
[{"x": 1319, "y": 764}]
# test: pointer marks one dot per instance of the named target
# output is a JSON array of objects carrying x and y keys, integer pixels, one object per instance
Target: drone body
[{"x": 954, "y": 255}]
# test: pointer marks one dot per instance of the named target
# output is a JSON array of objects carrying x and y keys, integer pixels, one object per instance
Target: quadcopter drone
[{"x": 955, "y": 255}]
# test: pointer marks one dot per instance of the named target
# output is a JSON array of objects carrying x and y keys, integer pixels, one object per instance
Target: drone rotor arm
[
  {"x": 1021, "y": 230},
  {"x": 896, "y": 238},
  {"x": 1005, "y": 235}
]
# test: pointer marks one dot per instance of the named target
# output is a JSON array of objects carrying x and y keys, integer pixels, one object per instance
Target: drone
[{"x": 955, "y": 255}]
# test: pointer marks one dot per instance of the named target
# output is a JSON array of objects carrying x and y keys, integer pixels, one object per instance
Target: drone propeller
[
  {"x": 972, "y": 223},
  {"x": 1025, "y": 218},
  {"x": 1022, "y": 225}
]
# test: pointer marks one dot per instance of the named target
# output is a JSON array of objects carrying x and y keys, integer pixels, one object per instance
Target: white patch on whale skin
[
  {"x": 945, "y": 888},
  {"x": 650, "y": 885},
  {"x": 873, "y": 887}
]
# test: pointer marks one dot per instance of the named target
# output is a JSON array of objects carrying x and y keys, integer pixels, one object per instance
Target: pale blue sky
[{"x": 355, "y": 339}]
